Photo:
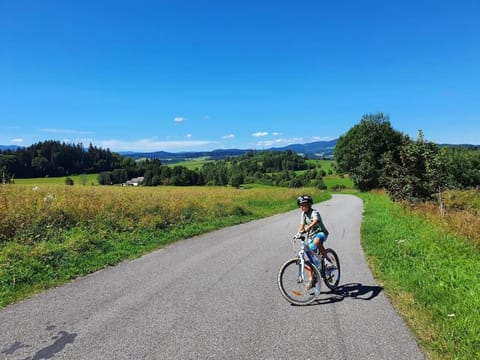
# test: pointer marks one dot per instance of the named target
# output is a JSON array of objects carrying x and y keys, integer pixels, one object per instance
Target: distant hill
[
  {"x": 317, "y": 149},
  {"x": 9, "y": 147}
]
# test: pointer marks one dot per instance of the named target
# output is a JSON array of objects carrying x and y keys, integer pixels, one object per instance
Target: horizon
[
  {"x": 188, "y": 77},
  {"x": 218, "y": 149}
]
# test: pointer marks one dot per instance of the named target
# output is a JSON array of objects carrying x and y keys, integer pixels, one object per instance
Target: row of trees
[
  {"x": 273, "y": 168},
  {"x": 378, "y": 156}
]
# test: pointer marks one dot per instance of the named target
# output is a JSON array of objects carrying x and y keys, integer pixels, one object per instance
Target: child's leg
[{"x": 319, "y": 240}]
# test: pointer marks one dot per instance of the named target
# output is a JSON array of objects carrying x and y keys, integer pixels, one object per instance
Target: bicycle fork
[{"x": 301, "y": 268}]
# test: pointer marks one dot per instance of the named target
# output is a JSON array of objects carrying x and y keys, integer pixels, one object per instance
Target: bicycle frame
[{"x": 305, "y": 251}]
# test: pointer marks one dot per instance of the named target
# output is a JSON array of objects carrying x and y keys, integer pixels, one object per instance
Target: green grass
[
  {"x": 335, "y": 180},
  {"x": 324, "y": 164},
  {"x": 85, "y": 179},
  {"x": 431, "y": 277},
  {"x": 194, "y": 164}
]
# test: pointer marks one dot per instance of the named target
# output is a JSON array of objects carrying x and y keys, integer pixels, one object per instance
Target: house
[{"x": 134, "y": 181}]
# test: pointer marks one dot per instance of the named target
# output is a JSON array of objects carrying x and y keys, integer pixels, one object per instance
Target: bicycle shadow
[{"x": 356, "y": 291}]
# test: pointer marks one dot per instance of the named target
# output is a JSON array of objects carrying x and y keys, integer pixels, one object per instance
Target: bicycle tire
[
  {"x": 292, "y": 289},
  {"x": 331, "y": 277}
]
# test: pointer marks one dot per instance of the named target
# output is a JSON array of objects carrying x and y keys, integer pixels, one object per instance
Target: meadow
[{"x": 84, "y": 179}]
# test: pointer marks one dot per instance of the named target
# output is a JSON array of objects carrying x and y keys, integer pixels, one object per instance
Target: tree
[
  {"x": 40, "y": 164},
  {"x": 360, "y": 151},
  {"x": 416, "y": 175},
  {"x": 462, "y": 165},
  {"x": 236, "y": 179},
  {"x": 105, "y": 178}
]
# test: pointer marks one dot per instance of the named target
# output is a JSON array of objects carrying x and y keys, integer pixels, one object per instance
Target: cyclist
[{"x": 311, "y": 223}]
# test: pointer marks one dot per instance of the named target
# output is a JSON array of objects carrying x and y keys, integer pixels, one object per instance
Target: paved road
[{"x": 215, "y": 297}]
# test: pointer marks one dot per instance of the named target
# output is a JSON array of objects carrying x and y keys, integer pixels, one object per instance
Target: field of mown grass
[
  {"x": 50, "y": 234},
  {"x": 194, "y": 164},
  {"x": 430, "y": 270},
  {"x": 85, "y": 179}
]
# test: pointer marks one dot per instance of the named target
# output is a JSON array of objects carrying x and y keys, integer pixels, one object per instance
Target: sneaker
[{"x": 329, "y": 274}]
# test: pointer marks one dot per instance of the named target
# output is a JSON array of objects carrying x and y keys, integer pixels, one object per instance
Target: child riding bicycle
[{"x": 311, "y": 223}]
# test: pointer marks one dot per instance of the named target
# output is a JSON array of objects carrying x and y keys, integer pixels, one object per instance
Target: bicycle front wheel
[
  {"x": 332, "y": 275},
  {"x": 295, "y": 288}
]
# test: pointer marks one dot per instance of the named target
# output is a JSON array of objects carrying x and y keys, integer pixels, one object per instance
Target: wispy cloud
[
  {"x": 179, "y": 119},
  {"x": 260, "y": 134},
  {"x": 228, "y": 137},
  {"x": 17, "y": 141},
  {"x": 154, "y": 144},
  {"x": 289, "y": 141}
]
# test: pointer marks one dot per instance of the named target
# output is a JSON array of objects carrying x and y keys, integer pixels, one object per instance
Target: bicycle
[{"x": 295, "y": 274}]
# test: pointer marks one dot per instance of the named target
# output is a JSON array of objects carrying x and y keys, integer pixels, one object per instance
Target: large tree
[
  {"x": 416, "y": 175},
  {"x": 361, "y": 150}
]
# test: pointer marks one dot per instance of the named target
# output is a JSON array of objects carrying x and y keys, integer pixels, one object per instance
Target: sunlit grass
[
  {"x": 430, "y": 274},
  {"x": 194, "y": 164},
  {"x": 84, "y": 179}
]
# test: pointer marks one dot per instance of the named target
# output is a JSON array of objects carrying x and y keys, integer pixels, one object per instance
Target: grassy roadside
[
  {"x": 50, "y": 234},
  {"x": 431, "y": 277}
]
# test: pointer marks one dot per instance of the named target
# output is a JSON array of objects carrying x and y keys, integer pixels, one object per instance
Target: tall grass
[
  {"x": 430, "y": 274},
  {"x": 462, "y": 214},
  {"x": 52, "y": 233}
]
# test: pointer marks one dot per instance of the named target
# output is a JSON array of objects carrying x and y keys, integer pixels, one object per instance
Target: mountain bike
[{"x": 296, "y": 274}]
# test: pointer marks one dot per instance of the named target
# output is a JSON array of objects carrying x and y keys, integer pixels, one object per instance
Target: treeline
[
  {"x": 54, "y": 159},
  {"x": 272, "y": 168},
  {"x": 376, "y": 155}
]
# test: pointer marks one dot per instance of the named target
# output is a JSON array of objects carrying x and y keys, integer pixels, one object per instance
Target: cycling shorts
[{"x": 320, "y": 236}]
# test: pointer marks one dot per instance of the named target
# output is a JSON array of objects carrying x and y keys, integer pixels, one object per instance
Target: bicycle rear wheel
[
  {"x": 332, "y": 276},
  {"x": 293, "y": 287}
]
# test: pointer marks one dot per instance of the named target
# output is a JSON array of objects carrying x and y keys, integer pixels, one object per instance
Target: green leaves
[{"x": 360, "y": 151}]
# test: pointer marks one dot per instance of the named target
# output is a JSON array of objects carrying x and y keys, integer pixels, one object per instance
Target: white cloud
[
  {"x": 153, "y": 144},
  {"x": 289, "y": 141},
  {"x": 260, "y": 134},
  {"x": 18, "y": 141},
  {"x": 228, "y": 137},
  {"x": 276, "y": 133},
  {"x": 189, "y": 136},
  {"x": 279, "y": 142},
  {"x": 179, "y": 119}
]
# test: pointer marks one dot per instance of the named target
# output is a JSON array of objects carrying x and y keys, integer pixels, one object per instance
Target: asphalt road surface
[{"x": 215, "y": 297}]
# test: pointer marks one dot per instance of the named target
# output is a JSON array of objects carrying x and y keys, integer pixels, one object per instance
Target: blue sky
[{"x": 178, "y": 75}]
